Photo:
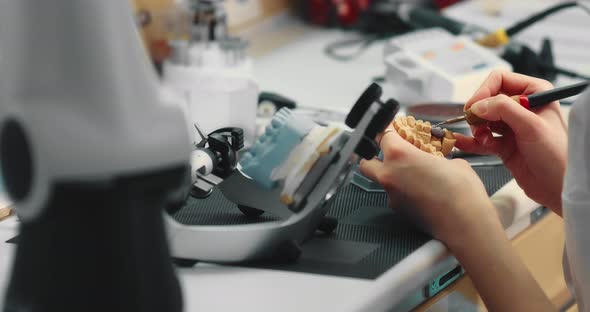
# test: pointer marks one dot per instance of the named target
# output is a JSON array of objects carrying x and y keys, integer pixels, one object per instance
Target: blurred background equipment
[
  {"x": 502, "y": 36},
  {"x": 151, "y": 18},
  {"x": 228, "y": 101},
  {"x": 209, "y": 19},
  {"x": 371, "y": 16},
  {"x": 205, "y": 66},
  {"x": 435, "y": 65},
  {"x": 269, "y": 103},
  {"x": 378, "y": 20}
]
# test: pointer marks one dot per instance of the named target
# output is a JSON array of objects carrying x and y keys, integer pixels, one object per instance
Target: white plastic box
[{"x": 432, "y": 65}]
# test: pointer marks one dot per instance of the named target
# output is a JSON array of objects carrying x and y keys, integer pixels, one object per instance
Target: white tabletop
[
  {"x": 209, "y": 287},
  {"x": 300, "y": 70}
]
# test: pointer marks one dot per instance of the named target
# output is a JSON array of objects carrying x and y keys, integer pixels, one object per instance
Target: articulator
[{"x": 291, "y": 172}]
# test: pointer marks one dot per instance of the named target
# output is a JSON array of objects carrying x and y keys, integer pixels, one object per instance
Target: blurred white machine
[
  {"x": 209, "y": 69},
  {"x": 434, "y": 65},
  {"x": 91, "y": 154}
]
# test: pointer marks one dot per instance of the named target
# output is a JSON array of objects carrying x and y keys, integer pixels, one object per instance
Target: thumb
[{"x": 524, "y": 123}]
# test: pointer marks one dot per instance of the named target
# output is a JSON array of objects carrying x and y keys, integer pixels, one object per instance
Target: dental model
[
  {"x": 281, "y": 136},
  {"x": 421, "y": 134},
  {"x": 287, "y": 151}
]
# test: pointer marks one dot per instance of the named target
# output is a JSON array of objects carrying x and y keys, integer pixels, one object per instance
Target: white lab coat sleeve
[{"x": 576, "y": 200}]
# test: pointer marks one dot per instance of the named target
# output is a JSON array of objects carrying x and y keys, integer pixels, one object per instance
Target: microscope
[{"x": 91, "y": 152}]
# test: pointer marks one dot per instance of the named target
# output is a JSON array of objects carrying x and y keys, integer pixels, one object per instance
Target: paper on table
[
  {"x": 5, "y": 213},
  {"x": 5, "y": 209}
]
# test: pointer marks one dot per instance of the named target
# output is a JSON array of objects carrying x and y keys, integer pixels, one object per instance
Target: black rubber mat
[
  {"x": 215, "y": 210},
  {"x": 369, "y": 239}
]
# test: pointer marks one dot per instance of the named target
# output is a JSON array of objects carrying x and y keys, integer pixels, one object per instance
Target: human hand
[
  {"x": 450, "y": 202},
  {"x": 532, "y": 145},
  {"x": 447, "y": 198}
]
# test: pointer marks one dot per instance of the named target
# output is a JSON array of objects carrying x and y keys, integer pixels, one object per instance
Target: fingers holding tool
[
  {"x": 508, "y": 83},
  {"x": 506, "y": 117},
  {"x": 502, "y": 108},
  {"x": 499, "y": 86},
  {"x": 522, "y": 110}
]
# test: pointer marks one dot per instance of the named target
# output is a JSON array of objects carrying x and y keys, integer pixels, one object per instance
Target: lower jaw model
[{"x": 292, "y": 171}]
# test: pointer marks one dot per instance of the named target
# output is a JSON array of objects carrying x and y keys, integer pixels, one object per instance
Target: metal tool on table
[
  {"x": 528, "y": 101},
  {"x": 298, "y": 203}
]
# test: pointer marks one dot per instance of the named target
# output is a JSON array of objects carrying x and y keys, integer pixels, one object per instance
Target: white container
[{"x": 215, "y": 99}]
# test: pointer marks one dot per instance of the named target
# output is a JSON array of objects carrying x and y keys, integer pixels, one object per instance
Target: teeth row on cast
[
  {"x": 302, "y": 159},
  {"x": 419, "y": 133}
]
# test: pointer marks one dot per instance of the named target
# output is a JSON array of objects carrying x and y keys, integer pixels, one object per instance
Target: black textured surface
[
  {"x": 215, "y": 210},
  {"x": 17, "y": 160},
  {"x": 384, "y": 236},
  {"x": 493, "y": 177}
]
